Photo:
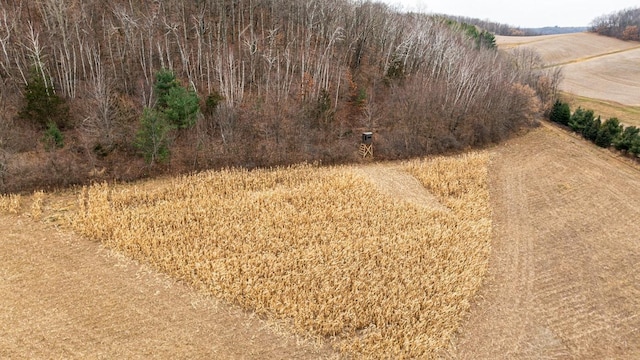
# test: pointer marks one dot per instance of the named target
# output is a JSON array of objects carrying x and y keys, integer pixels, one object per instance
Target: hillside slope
[
  {"x": 594, "y": 66},
  {"x": 195, "y": 85},
  {"x": 562, "y": 280}
]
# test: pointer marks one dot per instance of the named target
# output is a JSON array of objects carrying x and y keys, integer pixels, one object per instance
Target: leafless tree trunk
[{"x": 101, "y": 123}]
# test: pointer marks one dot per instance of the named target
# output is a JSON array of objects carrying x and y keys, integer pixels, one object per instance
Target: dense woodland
[
  {"x": 124, "y": 89},
  {"x": 623, "y": 24}
]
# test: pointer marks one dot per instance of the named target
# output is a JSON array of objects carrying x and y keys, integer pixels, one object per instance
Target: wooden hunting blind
[
  {"x": 366, "y": 147},
  {"x": 367, "y": 138}
]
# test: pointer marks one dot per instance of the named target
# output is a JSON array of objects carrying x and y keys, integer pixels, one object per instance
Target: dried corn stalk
[
  {"x": 37, "y": 204},
  {"x": 318, "y": 246},
  {"x": 10, "y": 203}
]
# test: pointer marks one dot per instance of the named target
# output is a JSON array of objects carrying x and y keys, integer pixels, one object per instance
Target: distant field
[
  {"x": 565, "y": 48},
  {"x": 630, "y": 115},
  {"x": 594, "y": 66}
]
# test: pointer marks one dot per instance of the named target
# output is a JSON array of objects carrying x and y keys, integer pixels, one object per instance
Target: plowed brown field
[
  {"x": 563, "y": 279},
  {"x": 594, "y": 67}
]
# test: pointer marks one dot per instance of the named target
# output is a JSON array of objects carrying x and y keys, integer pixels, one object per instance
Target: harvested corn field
[{"x": 322, "y": 247}]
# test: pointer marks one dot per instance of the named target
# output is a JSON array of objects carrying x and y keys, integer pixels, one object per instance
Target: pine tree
[
  {"x": 635, "y": 146},
  {"x": 175, "y": 108},
  {"x": 181, "y": 107},
  {"x": 488, "y": 40},
  {"x": 165, "y": 82},
  {"x": 591, "y": 133},
  {"x": 581, "y": 119},
  {"x": 560, "y": 113},
  {"x": 625, "y": 141},
  {"x": 609, "y": 130},
  {"x": 53, "y": 137},
  {"x": 178, "y": 104}
]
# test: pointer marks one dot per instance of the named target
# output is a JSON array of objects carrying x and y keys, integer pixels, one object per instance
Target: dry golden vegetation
[
  {"x": 10, "y": 203},
  {"x": 319, "y": 246}
]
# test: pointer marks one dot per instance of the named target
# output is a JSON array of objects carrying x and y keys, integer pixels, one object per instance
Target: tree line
[
  {"x": 126, "y": 89},
  {"x": 623, "y": 24},
  {"x": 494, "y": 27},
  {"x": 604, "y": 134}
]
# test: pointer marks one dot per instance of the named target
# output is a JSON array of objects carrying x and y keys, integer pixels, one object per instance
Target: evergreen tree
[
  {"x": 581, "y": 119},
  {"x": 179, "y": 105},
  {"x": 181, "y": 108},
  {"x": 482, "y": 38},
  {"x": 609, "y": 130},
  {"x": 165, "y": 82},
  {"x": 635, "y": 146},
  {"x": 176, "y": 108},
  {"x": 212, "y": 102},
  {"x": 53, "y": 137},
  {"x": 153, "y": 136},
  {"x": 625, "y": 141},
  {"x": 488, "y": 40},
  {"x": 591, "y": 133},
  {"x": 560, "y": 113}
]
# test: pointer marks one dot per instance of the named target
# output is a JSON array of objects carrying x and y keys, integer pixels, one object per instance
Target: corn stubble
[{"x": 319, "y": 246}]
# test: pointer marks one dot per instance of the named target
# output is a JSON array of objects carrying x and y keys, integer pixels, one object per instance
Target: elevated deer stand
[{"x": 366, "y": 147}]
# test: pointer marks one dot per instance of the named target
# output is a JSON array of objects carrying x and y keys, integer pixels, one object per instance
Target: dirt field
[
  {"x": 610, "y": 77},
  {"x": 392, "y": 180},
  {"x": 563, "y": 280},
  {"x": 594, "y": 66}
]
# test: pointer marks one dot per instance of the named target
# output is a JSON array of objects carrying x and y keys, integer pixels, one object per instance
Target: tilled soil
[{"x": 563, "y": 276}]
